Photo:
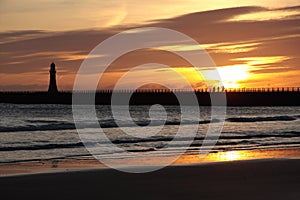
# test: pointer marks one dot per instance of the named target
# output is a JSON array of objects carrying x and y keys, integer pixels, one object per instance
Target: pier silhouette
[
  {"x": 280, "y": 96},
  {"x": 234, "y": 97}
]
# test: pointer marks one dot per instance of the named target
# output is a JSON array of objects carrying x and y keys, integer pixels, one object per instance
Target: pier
[{"x": 234, "y": 96}]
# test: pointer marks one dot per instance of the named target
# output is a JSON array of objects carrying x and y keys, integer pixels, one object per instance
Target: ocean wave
[
  {"x": 155, "y": 140},
  {"x": 42, "y": 121},
  {"x": 53, "y": 125},
  {"x": 43, "y": 127},
  {"x": 42, "y": 147},
  {"x": 292, "y": 132},
  {"x": 54, "y": 158},
  {"x": 261, "y": 119},
  {"x": 60, "y": 125},
  {"x": 169, "y": 138}
]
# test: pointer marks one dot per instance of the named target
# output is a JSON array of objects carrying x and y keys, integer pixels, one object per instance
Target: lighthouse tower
[{"x": 52, "y": 85}]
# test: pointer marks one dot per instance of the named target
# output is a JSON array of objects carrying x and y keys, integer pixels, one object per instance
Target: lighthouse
[{"x": 52, "y": 85}]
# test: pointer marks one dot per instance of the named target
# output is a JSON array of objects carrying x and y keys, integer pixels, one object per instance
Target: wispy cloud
[
  {"x": 14, "y": 36},
  {"x": 267, "y": 15},
  {"x": 254, "y": 61},
  {"x": 62, "y": 55},
  {"x": 231, "y": 47}
]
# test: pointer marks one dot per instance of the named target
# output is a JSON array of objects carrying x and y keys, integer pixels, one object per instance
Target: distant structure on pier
[
  {"x": 52, "y": 84},
  {"x": 279, "y": 96}
]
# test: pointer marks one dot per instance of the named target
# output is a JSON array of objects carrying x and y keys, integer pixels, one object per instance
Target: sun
[{"x": 232, "y": 75}]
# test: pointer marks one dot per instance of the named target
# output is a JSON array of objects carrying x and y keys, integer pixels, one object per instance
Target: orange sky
[{"x": 252, "y": 46}]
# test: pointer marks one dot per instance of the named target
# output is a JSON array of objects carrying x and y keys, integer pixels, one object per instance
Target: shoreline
[
  {"x": 105, "y": 168},
  {"x": 90, "y": 163}
]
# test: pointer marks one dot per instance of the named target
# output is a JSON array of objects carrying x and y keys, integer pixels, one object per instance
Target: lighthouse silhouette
[{"x": 52, "y": 85}]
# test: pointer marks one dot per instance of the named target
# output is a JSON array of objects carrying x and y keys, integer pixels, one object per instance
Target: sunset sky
[{"x": 253, "y": 43}]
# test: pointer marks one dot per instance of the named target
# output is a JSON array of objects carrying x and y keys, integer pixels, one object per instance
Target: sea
[{"x": 43, "y": 132}]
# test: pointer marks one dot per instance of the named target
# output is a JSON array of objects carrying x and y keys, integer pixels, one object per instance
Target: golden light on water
[
  {"x": 230, "y": 155},
  {"x": 251, "y": 154},
  {"x": 224, "y": 156}
]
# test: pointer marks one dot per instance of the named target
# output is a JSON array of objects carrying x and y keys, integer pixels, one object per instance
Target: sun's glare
[
  {"x": 230, "y": 155},
  {"x": 232, "y": 75}
]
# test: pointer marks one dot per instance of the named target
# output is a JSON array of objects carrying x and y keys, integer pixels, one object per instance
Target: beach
[
  {"x": 256, "y": 156},
  {"x": 250, "y": 179}
]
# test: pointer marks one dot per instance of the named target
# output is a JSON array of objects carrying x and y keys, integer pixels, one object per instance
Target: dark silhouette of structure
[
  {"x": 252, "y": 97},
  {"x": 52, "y": 84},
  {"x": 234, "y": 96}
]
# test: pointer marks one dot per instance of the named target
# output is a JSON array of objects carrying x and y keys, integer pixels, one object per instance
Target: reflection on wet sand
[{"x": 240, "y": 155}]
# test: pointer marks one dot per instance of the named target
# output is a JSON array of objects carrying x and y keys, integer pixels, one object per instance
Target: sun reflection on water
[
  {"x": 223, "y": 156},
  {"x": 230, "y": 155}
]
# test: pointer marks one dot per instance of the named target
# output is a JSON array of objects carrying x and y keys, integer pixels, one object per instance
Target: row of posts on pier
[{"x": 201, "y": 90}]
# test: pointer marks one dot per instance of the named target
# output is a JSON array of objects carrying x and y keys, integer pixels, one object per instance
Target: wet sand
[
  {"x": 256, "y": 179},
  {"x": 88, "y": 162}
]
